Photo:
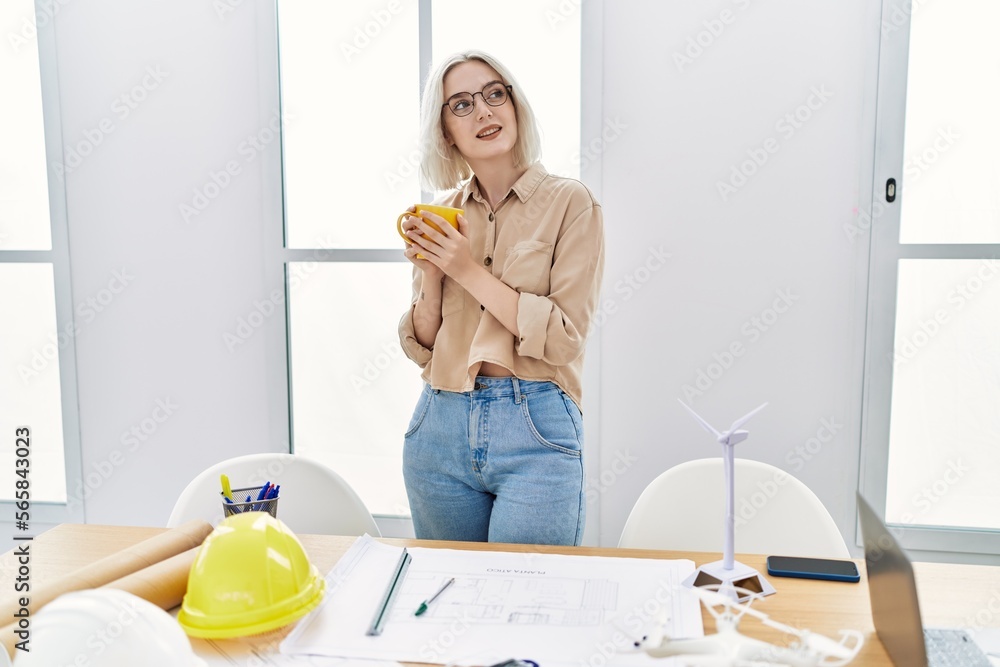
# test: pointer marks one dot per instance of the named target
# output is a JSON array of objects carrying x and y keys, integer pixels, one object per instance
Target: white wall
[
  {"x": 670, "y": 135},
  {"x": 160, "y": 340},
  {"x": 688, "y": 123}
]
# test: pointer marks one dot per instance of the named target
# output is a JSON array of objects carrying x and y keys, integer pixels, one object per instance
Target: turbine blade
[
  {"x": 704, "y": 424},
  {"x": 737, "y": 437},
  {"x": 745, "y": 418}
]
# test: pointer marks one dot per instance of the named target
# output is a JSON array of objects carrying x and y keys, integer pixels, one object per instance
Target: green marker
[{"x": 426, "y": 603}]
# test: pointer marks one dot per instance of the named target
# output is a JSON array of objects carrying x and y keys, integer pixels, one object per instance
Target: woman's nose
[{"x": 482, "y": 107}]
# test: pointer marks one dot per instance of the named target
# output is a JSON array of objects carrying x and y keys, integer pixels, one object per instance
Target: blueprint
[
  {"x": 551, "y": 608},
  {"x": 524, "y": 599}
]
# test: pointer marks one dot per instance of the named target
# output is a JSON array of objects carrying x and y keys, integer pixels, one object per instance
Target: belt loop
[{"x": 517, "y": 391}]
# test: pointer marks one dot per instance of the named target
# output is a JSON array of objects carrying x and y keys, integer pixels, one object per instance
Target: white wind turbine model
[{"x": 728, "y": 573}]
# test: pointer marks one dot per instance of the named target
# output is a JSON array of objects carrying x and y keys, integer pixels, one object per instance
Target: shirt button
[
  {"x": 482, "y": 307},
  {"x": 491, "y": 217},
  {"x": 488, "y": 261}
]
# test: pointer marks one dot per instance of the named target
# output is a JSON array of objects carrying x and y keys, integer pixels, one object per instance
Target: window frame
[
  {"x": 51, "y": 512},
  {"x": 279, "y": 256},
  {"x": 882, "y": 221}
]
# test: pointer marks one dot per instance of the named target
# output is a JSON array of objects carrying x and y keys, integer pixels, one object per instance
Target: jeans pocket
[
  {"x": 574, "y": 413},
  {"x": 423, "y": 404},
  {"x": 549, "y": 421}
]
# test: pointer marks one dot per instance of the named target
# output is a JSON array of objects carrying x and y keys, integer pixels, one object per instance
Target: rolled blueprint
[{"x": 156, "y": 569}]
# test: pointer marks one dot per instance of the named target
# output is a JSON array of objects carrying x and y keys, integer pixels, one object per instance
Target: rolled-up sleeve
[
  {"x": 554, "y": 328},
  {"x": 407, "y": 336}
]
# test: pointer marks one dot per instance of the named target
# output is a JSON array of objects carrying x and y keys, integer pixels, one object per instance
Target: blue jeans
[{"x": 500, "y": 463}]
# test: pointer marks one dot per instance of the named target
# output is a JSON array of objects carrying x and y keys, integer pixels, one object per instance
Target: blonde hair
[{"x": 442, "y": 166}]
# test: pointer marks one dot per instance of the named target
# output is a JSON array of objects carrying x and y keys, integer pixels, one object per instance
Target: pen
[
  {"x": 423, "y": 605},
  {"x": 261, "y": 495}
]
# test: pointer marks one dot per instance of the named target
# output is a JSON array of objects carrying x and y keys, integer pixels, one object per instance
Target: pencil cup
[{"x": 269, "y": 506}]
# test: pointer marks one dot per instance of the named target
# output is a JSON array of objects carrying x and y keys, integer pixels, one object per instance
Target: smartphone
[{"x": 813, "y": 568}]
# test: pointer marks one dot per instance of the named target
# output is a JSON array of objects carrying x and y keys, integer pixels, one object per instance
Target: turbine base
[{"x": 741, "y": 576}]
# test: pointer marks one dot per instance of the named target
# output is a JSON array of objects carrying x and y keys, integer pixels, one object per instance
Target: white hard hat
[{"x": 106, "y": 627}]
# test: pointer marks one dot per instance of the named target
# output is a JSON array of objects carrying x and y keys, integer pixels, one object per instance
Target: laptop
[{"x": 895, "y": 610}]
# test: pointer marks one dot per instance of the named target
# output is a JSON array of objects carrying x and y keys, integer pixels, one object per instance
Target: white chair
[
  {"x": 684, "y": 509},
  {"x": 313, "y": 498}
]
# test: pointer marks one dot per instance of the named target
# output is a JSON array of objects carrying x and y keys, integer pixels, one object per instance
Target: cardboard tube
[
  {"x": 146, "y": 553},
  {"x": 155, "y": 570},
  {"x": 163, "y": 584},
  {"x": 108, "y": 569}
]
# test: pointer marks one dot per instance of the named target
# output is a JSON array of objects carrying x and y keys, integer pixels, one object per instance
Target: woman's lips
[{"x": 489, "y": 133}]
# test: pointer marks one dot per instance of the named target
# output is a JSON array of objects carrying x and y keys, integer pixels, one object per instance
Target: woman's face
[{"x": 488, "y": 132}]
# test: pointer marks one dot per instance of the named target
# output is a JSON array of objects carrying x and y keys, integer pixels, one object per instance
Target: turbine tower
[{"x": 728, "y": 572}]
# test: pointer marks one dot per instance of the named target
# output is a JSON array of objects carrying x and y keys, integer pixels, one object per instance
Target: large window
[
  {"x": 932, "y": 419},
  {"x": 351, "y": 76},
  {"x": 37, "y": 376}
]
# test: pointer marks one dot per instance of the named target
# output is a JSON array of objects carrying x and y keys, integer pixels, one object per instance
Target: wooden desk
[{"x": 951, "y": 595}]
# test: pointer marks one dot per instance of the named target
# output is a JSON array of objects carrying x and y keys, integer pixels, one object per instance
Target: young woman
[{"x": 499, "y": 320}]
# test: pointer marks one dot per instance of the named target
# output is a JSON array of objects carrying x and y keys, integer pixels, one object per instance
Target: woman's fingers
[
  {"x": 421, "y": 247},
  {"x": 410, "y": 222},
  {"x": 434, "y": 235},
  {"x": 414, "y": 224},
  {"x": 420, "y": 260},
  {"x": 417, "y": 235},
  {"x": 424, "y": 246},
  {"x": 446, "y": 229}
]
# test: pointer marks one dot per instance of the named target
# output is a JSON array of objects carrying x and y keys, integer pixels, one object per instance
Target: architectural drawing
[{"x": 511, "y": 598}]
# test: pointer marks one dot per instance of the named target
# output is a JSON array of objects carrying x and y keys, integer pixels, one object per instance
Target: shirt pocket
[
  {"x": 452, "y": 297},
  {"x": 527, "y": 266}
]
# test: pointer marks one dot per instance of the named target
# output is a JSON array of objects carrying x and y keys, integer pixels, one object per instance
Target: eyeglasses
[{"x": 495, "y": 94}]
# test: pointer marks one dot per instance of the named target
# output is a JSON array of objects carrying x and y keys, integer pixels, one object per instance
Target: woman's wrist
[
  {"x": 467, "y": 272},
  {"x": 431, "y": 284}
]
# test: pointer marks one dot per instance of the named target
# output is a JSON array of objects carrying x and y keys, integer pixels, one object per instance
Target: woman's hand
[
  {"x": 448, "y": 250},
  {"x": 412, "y": 250}
]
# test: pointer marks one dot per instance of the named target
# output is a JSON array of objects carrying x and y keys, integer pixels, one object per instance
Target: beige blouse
[{"x": 546, "y": 241}]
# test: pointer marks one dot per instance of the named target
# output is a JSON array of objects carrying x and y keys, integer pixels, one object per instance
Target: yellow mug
[{"x": 448, "y": 213}]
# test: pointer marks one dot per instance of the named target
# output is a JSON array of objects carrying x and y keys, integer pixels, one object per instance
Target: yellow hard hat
[{"x": 251, "y": 575}]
